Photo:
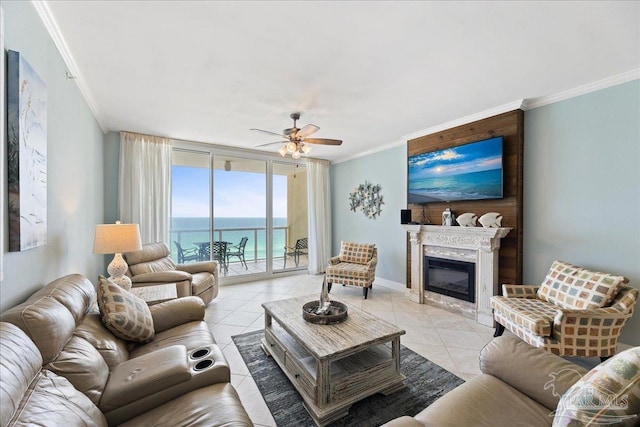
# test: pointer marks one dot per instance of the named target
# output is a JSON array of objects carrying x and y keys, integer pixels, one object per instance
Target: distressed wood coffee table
[{"x": 333, "y": 366}]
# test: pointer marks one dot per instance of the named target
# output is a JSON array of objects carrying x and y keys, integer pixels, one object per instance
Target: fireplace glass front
[{"x": 450, "y": 277}]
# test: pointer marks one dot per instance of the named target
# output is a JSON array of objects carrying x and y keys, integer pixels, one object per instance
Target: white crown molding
[
  {"x": 443, "y": 126},
  {"x": 372, "y": 151},
  {"x": 524, "y": 104},
  {"x": 54, "y": 31},
  {"x": 582, "y": 90},
  {"x": 467, "y": 119}
]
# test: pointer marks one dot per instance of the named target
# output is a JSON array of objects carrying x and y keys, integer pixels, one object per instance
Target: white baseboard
[{"x": 396, "y": 286}]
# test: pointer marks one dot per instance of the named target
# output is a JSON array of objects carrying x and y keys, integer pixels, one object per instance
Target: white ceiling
[{"x": 365, "y": 72}]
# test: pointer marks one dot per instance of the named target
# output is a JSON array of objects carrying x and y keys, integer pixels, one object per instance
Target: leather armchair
[{"x": 152, "y": 265}]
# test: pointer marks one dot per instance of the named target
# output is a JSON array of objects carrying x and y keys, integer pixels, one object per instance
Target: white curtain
[
  {"x": 319, "y": 204},
  {"x": 144, "y": 185}
]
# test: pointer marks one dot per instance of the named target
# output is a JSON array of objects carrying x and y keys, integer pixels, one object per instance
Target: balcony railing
[{"x": 255, "y": 249}]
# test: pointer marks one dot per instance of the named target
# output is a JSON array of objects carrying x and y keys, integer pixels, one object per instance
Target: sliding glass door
[
  {"x": 245, "y": 213},
  {"x": 190, "y": 205},
  {"x": 240, "y": 214}
]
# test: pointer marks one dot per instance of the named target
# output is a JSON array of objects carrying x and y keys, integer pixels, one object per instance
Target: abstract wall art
[{"x": 26, "y": 154}]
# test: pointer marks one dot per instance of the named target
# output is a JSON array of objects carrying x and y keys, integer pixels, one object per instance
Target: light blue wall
[
  {"x": 389, "y": 170},
  {"x": 74, "y": 168},
  {"x": 581, "y": 191},
  {"x": 582, "y": 186}
]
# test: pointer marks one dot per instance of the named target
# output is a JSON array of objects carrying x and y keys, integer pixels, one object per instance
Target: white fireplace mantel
[{"x": 479, "y": 245}]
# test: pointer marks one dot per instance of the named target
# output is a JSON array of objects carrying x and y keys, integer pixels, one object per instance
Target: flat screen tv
[{"x": 467, "y": 172}]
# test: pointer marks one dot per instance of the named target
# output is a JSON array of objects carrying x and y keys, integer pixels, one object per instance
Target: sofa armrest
[
  {"x": 168, "y": 276},
  {"x": 334, "y": 260},
  {"x": 520, "y": 291},
  {"x": 199, "y": 267},
  {"x": 373, "y": 262},
  {"x": 169, "y": 314},
  {"x": 403, "y": 422},
  {"x": 145, "y": 375},
  {"x": 600, "y": 325},
  {"x": 542, "y": 376}
]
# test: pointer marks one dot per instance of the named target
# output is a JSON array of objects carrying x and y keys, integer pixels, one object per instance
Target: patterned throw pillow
[
  {"x": 569, "y": 286},
  {"x": 356, "y": 253},
  {"x": 609, "y": 394},
  {"x": 126, "y": 315}
]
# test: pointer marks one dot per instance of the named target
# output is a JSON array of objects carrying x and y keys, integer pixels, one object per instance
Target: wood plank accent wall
[{"x": 510, "y": 126}]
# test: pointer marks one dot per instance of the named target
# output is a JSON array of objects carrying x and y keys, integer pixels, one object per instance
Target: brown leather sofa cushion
[
  {"x": 213, "y": 406},
  {"x": 46, "y": 321},
  {"x": 73, "y": 291},
  {"x": 31, "y": 396},
  {"x": 113, "y": 349},
  {"x": 543, "y": 369},
  {"x": 83, "y": 366}
]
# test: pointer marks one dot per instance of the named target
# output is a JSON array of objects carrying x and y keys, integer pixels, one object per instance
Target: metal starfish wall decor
[{"x": 368, "y": 199}]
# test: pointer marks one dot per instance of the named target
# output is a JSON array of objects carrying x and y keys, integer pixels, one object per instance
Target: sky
[
  {"x": 236, "y": 194},
  {"x": 475, "y": 157}
]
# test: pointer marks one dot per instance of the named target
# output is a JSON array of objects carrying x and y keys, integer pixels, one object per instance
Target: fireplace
[
  {"x": 477, "y": 246},
  {"x": 449, "y": 277}
]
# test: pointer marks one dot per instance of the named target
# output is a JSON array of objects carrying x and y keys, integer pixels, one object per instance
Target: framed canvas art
[
  {"x": 2, "y": 144},
  {"x": 26, "y": 154}
]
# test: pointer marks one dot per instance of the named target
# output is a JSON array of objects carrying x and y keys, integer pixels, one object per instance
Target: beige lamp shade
[{"x": 117, "y": 238}]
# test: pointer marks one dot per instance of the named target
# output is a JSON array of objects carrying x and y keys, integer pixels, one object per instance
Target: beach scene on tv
[{"x": 467, "y": 172}]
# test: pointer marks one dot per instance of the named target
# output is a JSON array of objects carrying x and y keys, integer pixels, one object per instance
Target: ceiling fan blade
[
  {"x": 322, "y": 141},
  {"x": 271, "y": 143},
  {"x": 307, "y": 130},
  {"x": 269, "y": 132}
]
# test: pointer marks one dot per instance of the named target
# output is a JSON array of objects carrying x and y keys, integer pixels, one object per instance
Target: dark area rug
[{"x": 425, "y": 382}]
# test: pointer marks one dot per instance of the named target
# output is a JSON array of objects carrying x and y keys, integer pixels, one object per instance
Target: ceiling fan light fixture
[{"x": 296, "y": 139}]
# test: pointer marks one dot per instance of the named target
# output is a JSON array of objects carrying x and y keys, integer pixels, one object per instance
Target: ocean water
[
  {"x": 467, "y": 186},
  {"x": 189, "y": 231}
]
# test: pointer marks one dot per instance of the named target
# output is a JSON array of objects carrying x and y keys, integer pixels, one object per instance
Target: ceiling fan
[{"x": 295, "y": 139}]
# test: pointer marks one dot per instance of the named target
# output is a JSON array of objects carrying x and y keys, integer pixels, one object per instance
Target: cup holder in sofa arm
[
  {"x": 146, "y": 375},
  {"x": 199, "y": 354},
  {"x": 203, "y": 364}
]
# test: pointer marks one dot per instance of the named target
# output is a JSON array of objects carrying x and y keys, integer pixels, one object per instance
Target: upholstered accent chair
[
  {"x": 575, "y": 312},
  {"x": 355, "y": 265},
  {"x": 152, "y": 265}
]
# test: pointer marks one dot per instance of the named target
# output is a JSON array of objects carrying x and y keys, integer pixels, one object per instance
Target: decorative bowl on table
[{"x": 335, "y": 313}]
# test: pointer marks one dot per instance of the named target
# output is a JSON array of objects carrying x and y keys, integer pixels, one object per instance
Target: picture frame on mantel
[{"x": 26, "y": 154}]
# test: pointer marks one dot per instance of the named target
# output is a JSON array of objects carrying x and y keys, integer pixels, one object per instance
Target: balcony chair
[
  {"x": 152, "y": 265},
  {"x": 355, "y": 265},
  {"x": 218, "y": 254},
  {"x": 300, "y": 248},
  {"x": 238, "y": 251},
  {"x": 575, "y": 312},
  {"x": 187, "y": 255}
]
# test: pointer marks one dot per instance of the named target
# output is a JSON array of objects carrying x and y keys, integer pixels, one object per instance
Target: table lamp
[{"x": 115, "y": 239}]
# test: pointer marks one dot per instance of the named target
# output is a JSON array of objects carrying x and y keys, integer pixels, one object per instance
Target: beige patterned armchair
[
  {"x": 575, "y": 312},
  {"x": 355, "y": 265}
]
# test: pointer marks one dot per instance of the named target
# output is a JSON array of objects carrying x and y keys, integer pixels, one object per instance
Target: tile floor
[{"x": 449, "y": 340}]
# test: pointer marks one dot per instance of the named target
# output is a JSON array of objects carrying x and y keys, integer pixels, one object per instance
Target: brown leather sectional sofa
[{"x": 60, "y": 365}]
